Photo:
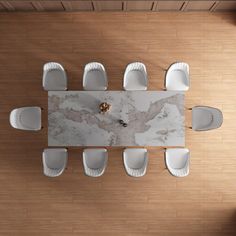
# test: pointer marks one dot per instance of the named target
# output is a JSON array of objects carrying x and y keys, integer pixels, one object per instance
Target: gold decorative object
[{"x": 104, "y": 107}]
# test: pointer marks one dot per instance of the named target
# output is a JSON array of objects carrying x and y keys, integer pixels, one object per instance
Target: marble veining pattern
[{"x": 154, "y": 118}]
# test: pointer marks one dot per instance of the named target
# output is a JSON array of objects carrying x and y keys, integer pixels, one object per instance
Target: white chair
[
  {"x": 54, "y": 77},
  {"x": 95, "y": 77},
  {"x": 95, "y": 161},
  {"x": 177, "y": 77},
  {"x": 54, "y": 161},
  {"x": 26, "y": 118},
  {"x": 177, "y": 161},
  {"x": 135, "y": 161},
  {"x": 206, "y": 118},
  {"x": 135, "y": 77}
]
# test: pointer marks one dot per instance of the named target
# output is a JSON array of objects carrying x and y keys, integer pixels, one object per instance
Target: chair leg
[{"x": 165, "y": 168}]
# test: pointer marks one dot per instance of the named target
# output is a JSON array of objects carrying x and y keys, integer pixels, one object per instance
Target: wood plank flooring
[{"x": 202, "y": 204}]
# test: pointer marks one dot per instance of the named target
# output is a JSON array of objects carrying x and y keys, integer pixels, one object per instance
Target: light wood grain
[
  {"x": 108, "y": 5},
  {"x": 199, "y": 5},
  {"x": 116, "y": 5},
  {"x": 169, "y": 5},
  {"x": 21, "y": 6},
  {"x": 49, "y": 5},
  {"x": 202, "y": 204},
  {"x": 139, "y": 5},
  {"x": 7, "y": 6},
  {"x": 78, "y": 5}
]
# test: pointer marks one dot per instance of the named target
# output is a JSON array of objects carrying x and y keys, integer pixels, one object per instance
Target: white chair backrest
[
  {"x": 177, "y": 161},
  {"x": 52, "y": 66},
  {"x": 206, "y": 118},
  {"x": 54, "y": 161},
  {"x": 95, "y": 161},
  {"x": 135, "y": 77},
  {"x": 135, "y": 161},
  {"x": 26, "y": 118},
  {"x": 54, "y": 77},
  {"x": 95, "y": 77},
  {"x": 177, "y": 77}
]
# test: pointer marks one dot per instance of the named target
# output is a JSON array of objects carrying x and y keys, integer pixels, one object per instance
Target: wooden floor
[{"x": 204, "y": 203}]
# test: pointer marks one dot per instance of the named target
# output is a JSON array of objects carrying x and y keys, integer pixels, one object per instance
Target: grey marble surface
[{"x": 154, "y": 118}]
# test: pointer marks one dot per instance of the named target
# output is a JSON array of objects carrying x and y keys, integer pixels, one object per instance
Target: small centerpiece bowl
[{"x": 104, "y": 107}]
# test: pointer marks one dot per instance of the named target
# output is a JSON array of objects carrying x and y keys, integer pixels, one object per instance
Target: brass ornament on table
[{"x": 104, "y": 107}]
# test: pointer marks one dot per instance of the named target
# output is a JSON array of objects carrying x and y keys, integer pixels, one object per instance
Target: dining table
[{"x": 134, "y": 118}]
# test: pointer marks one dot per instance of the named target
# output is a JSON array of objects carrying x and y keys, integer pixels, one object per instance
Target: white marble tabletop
[{"x": 154, "y": 118}]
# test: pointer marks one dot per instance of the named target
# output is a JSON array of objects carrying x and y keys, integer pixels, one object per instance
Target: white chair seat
[
  {"x": 95, "y": 161},
  {"x": 95, "y": 80},
  {"x": 135, "y": 161},
  {"x": 177, "y": 77},
  {"x": 54, "y": 77},
  {"x": 206, "y": 118},
  {"x": 54, "y": 161},
  {"x": 177, "y": 161},
  {"x": 26, "y": 118},
  {"x": 135, "y": 77},
  {"x": 95, "y": 77}
]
